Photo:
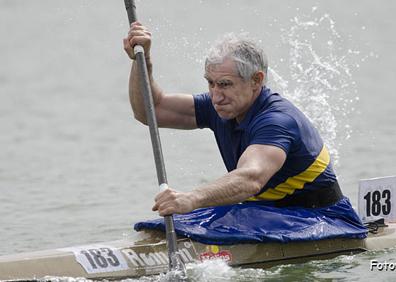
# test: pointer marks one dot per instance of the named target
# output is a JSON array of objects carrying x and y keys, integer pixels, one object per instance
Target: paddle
[{"x": 175, "y": 263}]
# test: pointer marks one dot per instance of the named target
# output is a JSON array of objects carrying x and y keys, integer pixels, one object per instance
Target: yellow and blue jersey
[{"x": 272, "y": 120}]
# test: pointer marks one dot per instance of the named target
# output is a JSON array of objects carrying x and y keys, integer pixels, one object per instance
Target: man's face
[{"x": 231, "y": 95}]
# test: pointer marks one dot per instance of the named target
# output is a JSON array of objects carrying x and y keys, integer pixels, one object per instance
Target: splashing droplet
[{"x": 319, "y": 80}]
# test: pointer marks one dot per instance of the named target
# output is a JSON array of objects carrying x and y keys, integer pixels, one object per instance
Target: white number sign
[
  {"x": 377, "y": 199},
  {"x": 99, "y": 258}
]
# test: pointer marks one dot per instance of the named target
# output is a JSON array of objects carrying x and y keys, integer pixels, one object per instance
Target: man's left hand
[{"x": 170, "y": 201}]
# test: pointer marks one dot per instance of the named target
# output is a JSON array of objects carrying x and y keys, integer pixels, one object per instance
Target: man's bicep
[
  {"x": 176, "y": 111},
  {"x": 264, "y": 160}
]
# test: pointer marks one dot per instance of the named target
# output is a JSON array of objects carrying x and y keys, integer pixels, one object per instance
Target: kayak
[{"x": 147, "y": 255}]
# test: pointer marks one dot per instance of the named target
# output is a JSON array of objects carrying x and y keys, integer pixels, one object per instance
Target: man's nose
[{"x": 217, "y": 94}]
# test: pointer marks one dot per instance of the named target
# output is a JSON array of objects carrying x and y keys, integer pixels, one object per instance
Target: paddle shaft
[{"x": 154, "y": 134}]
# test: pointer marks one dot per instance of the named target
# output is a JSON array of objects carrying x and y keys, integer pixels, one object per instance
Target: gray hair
[{"x": 248, "y": 57}]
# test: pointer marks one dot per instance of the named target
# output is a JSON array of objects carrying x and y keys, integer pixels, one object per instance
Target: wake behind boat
[{"x": 147, "y": 255}]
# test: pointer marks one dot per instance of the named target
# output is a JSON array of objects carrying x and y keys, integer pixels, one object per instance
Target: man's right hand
[
  {"x": 137, "y": 35},
  {"x": 172, "y": 110}
]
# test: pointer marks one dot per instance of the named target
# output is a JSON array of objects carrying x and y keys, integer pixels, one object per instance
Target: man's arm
[
  {"x": 173, "y": 110},
  {"x": 255, "y": 167}
]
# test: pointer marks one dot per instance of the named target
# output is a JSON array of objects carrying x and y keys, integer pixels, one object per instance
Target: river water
[{"x": 75, "y": 168}]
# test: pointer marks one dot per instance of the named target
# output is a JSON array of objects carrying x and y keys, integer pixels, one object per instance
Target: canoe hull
[{"x": 148, "y": 256}]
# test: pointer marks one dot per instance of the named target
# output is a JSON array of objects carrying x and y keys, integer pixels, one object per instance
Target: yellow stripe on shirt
[{"x": 298, "y": 181}]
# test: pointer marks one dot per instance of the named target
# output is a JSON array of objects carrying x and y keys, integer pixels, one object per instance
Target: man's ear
[{"x": 258, "y": 79}]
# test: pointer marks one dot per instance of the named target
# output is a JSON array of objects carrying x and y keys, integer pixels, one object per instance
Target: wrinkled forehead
[{"x": 224, "y": 68}]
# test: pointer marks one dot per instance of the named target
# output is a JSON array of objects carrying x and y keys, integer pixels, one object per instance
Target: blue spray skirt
[{"x": 253, "y": 222}]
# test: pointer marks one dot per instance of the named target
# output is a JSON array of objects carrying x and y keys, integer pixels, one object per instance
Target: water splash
[
  {"x": 178, "y": 273},
  {"x": 215, "y": 270},
  {"x": 319, "y": 79},
  {"x": 211, "y": 270}
]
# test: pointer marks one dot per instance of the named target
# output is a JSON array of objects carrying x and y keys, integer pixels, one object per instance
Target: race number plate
[
  {"x": 99, "y": 258},
  {"x": 377, "y": 199}
]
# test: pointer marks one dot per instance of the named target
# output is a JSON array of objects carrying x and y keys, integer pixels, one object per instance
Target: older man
[{"x": 272, "y": 152}]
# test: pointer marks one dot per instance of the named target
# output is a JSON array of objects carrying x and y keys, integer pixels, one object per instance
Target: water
[{"x": 75, "y": 168}]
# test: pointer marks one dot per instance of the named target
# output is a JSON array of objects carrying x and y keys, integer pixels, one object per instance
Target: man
[{"x": 272, "y": 152}]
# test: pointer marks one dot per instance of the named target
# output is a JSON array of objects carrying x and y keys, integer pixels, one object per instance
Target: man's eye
[
  {"x": 210, "y": 83},
  {"x": 224, "y": 84}
]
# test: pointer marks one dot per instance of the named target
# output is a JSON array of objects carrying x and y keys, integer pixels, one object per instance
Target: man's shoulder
[
  {"x": 205, "y": 113},
  {"x": 280, "y": 110},
  {"x": 274, "y": 117},
  {"x": 201, "y": 97}
]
